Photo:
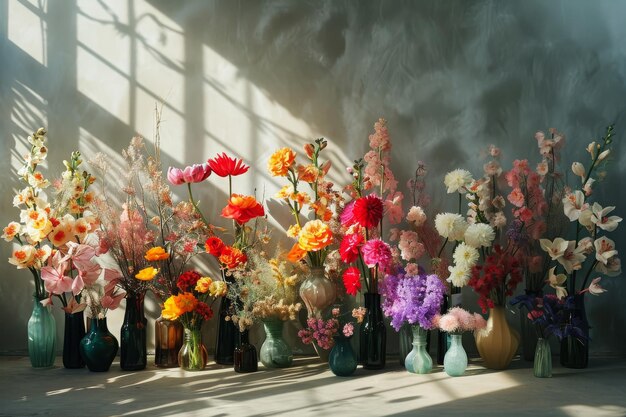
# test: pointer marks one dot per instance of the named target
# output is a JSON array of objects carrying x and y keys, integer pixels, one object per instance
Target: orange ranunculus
[
  {"x": 156, "y": 254},
  {"x": 281, "y": 161},
  {"x": 147, "y": 274},
  {"x": 242, "y": 208},
  {"x": 232, "y": 257},
  {"x": 314, "y": 236},
  {"x": 177, "y": 305},
  {"x": 203, "y": 285},
  {"x": 296, "y": 253}
]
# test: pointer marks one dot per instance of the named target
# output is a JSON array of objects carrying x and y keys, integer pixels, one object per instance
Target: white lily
[
  {"x": 573, "y": 204},
  {"x": 573, "y": 257},
  {"x": 555, "y": 248},
  {"x": 600, "y": 219},
  {"x": 556, "y": 282},
  {"x": 612, "y": 268},
  {"x": 605, "y": 249},
  {"x": 595, "y": 288}
]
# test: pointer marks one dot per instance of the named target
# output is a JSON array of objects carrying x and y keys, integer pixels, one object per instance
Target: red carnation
[
  {"x": 349, "y": 247},
  {"x": 214, "y": 246},
  {"x": 225, "y": 166},
  {"x": 187, "y": 280},
  {"x": 352, "y": 280},
  {"x": 368, "y": 211},
  {"x": 204, "y": 310}
]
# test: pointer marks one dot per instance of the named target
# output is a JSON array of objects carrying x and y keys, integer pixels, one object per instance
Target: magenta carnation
[{"x": 377, "y": 252}]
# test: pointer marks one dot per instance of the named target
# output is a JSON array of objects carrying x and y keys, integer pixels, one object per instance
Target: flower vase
[
  {"x": 168, "y": 339},
  {"x": 528, "y": 332},
  {"x": 72, "y": 335},
  {"x": 575, "y": 350},
  {"x": 193, "y": 355},
  {"x": 42, "y": 333},
  {"x": 373, "y": 334},
  {"x": 245, "y": 357},
  {"x": 275, "y": 352},
  {"x": 422, "y": 363},
  {"x": 133, "y": 352},
  {"x": 317, "y": 292},
  {"x": 455, "y": 360},
  {"x": 405, "y": 343},
  {"x": 226, "y": 334},
  {"x": 342, "y": 359},
  {"x": 99, "y": 347},
  {"x": 542, "y": 367},
  {"x": 497, "y": 343}
]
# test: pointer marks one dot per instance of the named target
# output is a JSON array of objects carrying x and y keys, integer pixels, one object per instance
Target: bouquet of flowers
[
  {"x": 322, "y": 331},
  {"x": 550, "y": 316},
  {"x": 458, "y": 320}
]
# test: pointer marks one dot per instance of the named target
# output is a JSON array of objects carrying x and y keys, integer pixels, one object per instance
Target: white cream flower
[
  {"x": 23, "y": 257},
  {"x": 416, "y": 216},
  {"x": 479, "y": 234},
  {"x": 555, "y": 248},
  {"x": 465, "y": 255},
  {"x": 600, "y": 219},
  {"x": 556, "y": 282},
  {"x": 612, "y": 268},
  {"x": 605, "y": 249},
  {"x": 457, "y": 180},
  {"x": 573, "y": 204},
  {"x": 595, "y": 288},
  {"x": 459, "y": 276},
  {"x": 579, "y": 170},
  {"x": 450, "y": 225}
]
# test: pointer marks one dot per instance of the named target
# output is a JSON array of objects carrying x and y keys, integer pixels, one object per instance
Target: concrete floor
[{"x": 309, "y": 388}]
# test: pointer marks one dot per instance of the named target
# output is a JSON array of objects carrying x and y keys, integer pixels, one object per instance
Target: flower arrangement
[
  {"x": 413, "y": 299},
  {"x": 550, "y": 315},
  {"x": 315, "y": 236},
  {"x": 322, "y": 331},
  {"x": 458, "y": 320}
]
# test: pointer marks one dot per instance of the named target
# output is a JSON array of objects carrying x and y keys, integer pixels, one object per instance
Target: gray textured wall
[{"x": 451, "y": 77}]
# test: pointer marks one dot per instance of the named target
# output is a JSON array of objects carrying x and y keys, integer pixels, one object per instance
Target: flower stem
[{"x": 195, "y": 206}]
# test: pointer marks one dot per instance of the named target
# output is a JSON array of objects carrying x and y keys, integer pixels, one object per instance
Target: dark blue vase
[
  {"x": 226, "y": 334},
  {"x": 73, "y": 334},
  {"x": 99, "y": 347},
  {"x": 342, "y": 359},
  {"x": 133, "y": 355},
  {"x": 373, "y": 334}
]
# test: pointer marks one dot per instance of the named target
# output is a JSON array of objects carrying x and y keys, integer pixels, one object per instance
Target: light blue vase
[
  {"x": 455, "y": 361},
  {"x": 422, "y": 362}
]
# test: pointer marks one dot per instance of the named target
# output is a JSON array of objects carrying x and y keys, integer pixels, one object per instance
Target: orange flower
[
  {"x": 308, "y": 173},
  {"x": 314, "y": 236},
  {"x": 300, "y": 198},
  {"x": 232, "y": 257},
  {"x": 296, "y": 253},
  {"x": 281, "y": 161},
  {"x": 156, "y": 254},
  {"x": 177, "y": 305},
  {"x": 294, "y": 231},
  {"x": 203, "y": 285},
  {"x": 242, "y": 208},
  {"x": 147, "y": 274}
]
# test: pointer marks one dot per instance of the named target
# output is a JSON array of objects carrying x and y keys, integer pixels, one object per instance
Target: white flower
[
  {"x": 23, "y": 257},
  {"x": 586, "y": 245},
  {"x": 573, "y": 204},
  {"x": 459, "y": 276},
  {"x": 595, "y": 288},
  {"x": 612, "y": 268},
  {"x": 416, "y": 216},
  {"x": 457, "y": 180},
  {"x": 479, "y": 234},
  {"x": 591, "y": 148},
  {"x": 499, "y": 220},
  {"x": 579, "y": 170},
  {"x": 450, "y": 225},
  {"x": 465, "y": 256},
  {"x": 603, "y": 154},
  {"x": 585, "y": 219},
  {"x": 587, "y": 187},
  {"x": 605, "y": 249},
  {"x": 600, "y": 219},
  {"x": 556, "y": 282},
  {"x": 573, "y": 258},
  {"x": 555, "y": 248}
]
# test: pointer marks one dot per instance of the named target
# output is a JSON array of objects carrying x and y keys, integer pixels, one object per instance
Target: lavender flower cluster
[{"x": 414, "y": 299}]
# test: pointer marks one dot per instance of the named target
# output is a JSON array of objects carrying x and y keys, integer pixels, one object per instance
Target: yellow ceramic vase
[{"x": 497, "y": 343}]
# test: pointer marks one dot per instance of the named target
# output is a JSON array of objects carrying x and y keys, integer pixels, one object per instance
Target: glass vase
[
  {"x": 193, "y": 355},
  {"x": 542, "y": 367},
  {"x": 405, "y": 343},
  {"x": 455, "y": 360},
  {"x": 245, "y": 357},
  {"x": 42, "y": 334},
  {"x": 275, "y": 352},
  {"x": 422, "y": 362},
  {"x": 373, "y": 334},
  {"x": 168, "y": 339},
  {"x": 574, "y": 350},
  {"x": 342, "y": 359},
  {"x": 99, "y": 347},
  {"x": 317, "y": 292},
  {"x": 226, "y": 334},
  {"x": 72, "y": 335},
  {"x": 497, "y": 343},
  {"x": 133, "y": 352}
]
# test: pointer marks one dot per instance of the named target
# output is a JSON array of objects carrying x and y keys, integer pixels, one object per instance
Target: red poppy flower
[
  {"x": 352, "y": 280},
  {"x": 368, "y": 211},
  {"x": 214, "y": 246},
  {"x": 242, "y": 208},
  {"x": 225, "y": 166},
  {"x": 349, "y": 247}
]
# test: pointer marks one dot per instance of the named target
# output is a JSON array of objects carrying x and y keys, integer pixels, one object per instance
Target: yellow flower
[
  {"x": 147, "y": 274},
  {"x": 218, "y": 289},
  {"x": 177, "y": 305},
  {"x": 281, "y": 161},
  {"x": 156, "y": 254},
  {"x": 314, "y": 236},
  {"x": 284, "y": 192},
  {"x": 203, "y": 285},
  {"x": 294, "y": 231}
]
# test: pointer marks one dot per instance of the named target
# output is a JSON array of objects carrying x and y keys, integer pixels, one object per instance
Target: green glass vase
[
  {"x": 275, "y": 352},
  {"x": 342, "y": 358},
  {"x": 422, "y": 362},
  {"x": 193, "y": 355},
  {"x": 542, "y": 367},
  {"x": 99, "y": 347},
  {"x": 42, "y": 333},
  {"x": 455, "y": 359}
]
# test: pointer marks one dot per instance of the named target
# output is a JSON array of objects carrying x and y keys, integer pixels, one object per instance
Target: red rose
[{"x": 214, "y": 246}]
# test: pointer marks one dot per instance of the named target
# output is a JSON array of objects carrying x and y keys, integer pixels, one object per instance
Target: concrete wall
[{"x": 451, "y": 77}]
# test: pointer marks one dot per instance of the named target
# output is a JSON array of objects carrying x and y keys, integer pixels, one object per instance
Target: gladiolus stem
[{"x": 195, "y": 206}]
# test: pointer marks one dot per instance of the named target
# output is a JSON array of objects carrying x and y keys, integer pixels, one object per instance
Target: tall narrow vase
[
  {"x": 245, "y": 357},
  {"x": 226, "y": 334},
  {"x": 342, "y": 359},
  {"x": 133, "y": 355},
  {"x": 275, "y": 352},
  {"x": 542, "y": 367},
  {"x": 528, "y": 332},
  {"x": 73, "y": 334},
  {"x": 42, "y": 333},
  {"x": 497, "y": 343},
  {"x": 373, "y": 334},
  {"x": 455, "y": 361},
  {"x": 574, "y": 350},
  {"x": 99, "y": 347},
  {"x": 422, "y": 362},
  {"x": 168, "y": 339},
  {"x": 193, "y": 355}
]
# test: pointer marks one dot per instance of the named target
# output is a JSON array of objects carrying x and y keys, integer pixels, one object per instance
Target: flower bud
[
  {"x": 578, "y": 169},
  {"x": 604, "y": 154},
  {"x": 308, "y": 148},
  {"x": 591, "y": 148}
]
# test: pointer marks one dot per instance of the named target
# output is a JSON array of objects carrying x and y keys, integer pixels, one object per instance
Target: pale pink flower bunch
[
  {"x": 458, "y": 320},
  {"x": 410, "y": 246},
  {"x": 377, "y": 160},
  {"x": 416, "y": 216}
]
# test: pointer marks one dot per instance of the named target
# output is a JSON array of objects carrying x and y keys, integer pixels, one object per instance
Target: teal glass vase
[
  {"x": 455, "y": 359},
  {"x": 275, "y": 352},
  {"x": 99, "y": 347},
  {"x": 42, "y": 334},
  {"x": 133, "y": 352},
  {"x": 342, "y": 358},
  {"x": 193, "y": 355},
  {"x": 542, "y": 367},
  {"x": 422, "y": 362}
]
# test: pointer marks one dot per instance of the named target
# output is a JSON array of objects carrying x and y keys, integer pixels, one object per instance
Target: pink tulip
[{"x": 193, "y": 173}]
